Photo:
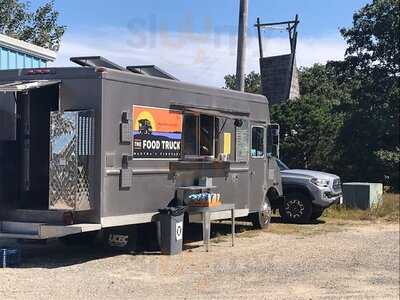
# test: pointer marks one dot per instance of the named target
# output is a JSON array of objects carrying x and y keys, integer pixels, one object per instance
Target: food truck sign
[{"x": 157, "y": 133}]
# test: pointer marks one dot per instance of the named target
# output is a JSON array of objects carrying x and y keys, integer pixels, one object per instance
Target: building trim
[{"x": 27, "y": 48}]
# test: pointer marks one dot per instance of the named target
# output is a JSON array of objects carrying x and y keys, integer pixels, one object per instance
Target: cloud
[{"x": 202, "y": 58}]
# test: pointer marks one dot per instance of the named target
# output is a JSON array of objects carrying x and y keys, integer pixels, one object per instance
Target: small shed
[
  {"x": 362, "y": 195},
  {"x": 17, "y": 54}
]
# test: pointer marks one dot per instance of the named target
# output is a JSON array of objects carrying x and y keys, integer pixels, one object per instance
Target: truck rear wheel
[
  {"x": 296, "y": 208},
  {"x": 262, "y": 218}
]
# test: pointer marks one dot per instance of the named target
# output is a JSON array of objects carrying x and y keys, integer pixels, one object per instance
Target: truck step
[
  {"x": 23, "y": 228},
  {"x": 26, "y": 230}
]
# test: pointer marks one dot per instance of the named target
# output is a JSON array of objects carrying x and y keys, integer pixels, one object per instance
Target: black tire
[
  {"x": 316, "y": 213},
  {"x": 120, "y": 239},
  {"x": 296, "y": 208},
  {"x": 262, "y": 218},
  {"x": 86, "y": 239}
]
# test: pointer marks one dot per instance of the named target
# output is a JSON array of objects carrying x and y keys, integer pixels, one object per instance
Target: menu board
[{"x": 242, "y": 142}]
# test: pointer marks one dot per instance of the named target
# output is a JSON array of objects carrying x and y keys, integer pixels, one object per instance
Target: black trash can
[{"x": 171, "y": 220}]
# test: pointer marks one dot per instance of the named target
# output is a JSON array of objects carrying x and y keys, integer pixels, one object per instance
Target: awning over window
[
  {"x": 217, "y": 112},
  {"x": 22, "y": 86}
]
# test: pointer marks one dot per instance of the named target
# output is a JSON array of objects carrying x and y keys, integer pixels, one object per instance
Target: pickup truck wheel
[
  {"x": 296, "y": 208},
  {"x": 316, "y": 213},
  {"x": 262, "y": 219}
]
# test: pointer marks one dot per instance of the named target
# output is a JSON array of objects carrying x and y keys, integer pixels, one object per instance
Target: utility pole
[{"x": 241, "y": 51}]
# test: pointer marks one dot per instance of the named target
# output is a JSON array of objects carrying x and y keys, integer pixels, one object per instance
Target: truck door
[
  {"x": 8, "y": 149},
  {"x": 257, "y": 167},
  {"x": 24, "y": 118}
]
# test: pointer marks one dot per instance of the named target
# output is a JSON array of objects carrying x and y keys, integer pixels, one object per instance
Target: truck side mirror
[{"x": 273, "y": 140}]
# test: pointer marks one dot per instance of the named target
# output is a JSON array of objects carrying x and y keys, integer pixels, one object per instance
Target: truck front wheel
[
  {"x": 262, "y": 218},
  {"x": 296, "y": 208}
]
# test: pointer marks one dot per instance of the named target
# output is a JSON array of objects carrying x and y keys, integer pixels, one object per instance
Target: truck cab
[{"x": 307, "y": 193}]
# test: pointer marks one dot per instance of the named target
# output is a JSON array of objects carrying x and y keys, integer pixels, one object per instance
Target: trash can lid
[{"x": 173, "y": 211}]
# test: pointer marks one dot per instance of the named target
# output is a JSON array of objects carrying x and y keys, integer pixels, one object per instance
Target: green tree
[
  {"x": 347, "y": 118},
  {"x": 252, "y": 82},
  {"x": 308, "y": 133},
  {"x": 309, "y": 125},
  {"x": 320, "y": 81},
  {"x": 369, "y": 140},
  {"x": 39, "y": 27}
]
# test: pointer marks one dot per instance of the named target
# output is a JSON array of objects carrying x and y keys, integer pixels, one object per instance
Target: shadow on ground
[{"x": 55, "y": 254}]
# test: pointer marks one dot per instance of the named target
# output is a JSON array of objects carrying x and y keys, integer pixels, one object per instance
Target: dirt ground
[{"x": 328, "y": 260}]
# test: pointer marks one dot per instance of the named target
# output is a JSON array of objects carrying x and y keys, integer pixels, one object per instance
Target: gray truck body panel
[{"x": 109, "y": 93}]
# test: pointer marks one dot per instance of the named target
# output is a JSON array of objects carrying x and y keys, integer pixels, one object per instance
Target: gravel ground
[{"x": 327, "y": 260}]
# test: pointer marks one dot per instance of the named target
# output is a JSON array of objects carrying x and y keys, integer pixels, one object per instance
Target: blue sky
[{"x": 196, "y": 39}]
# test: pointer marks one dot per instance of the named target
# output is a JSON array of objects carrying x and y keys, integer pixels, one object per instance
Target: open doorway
[{"x": 24, "y": 145}]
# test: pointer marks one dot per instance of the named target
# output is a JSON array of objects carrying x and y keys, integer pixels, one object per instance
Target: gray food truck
[{"x": 99, "y": 149}]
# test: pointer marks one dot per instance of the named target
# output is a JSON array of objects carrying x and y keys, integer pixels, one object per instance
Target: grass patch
[
  {"x": 388, "y": 210},
  {"x": 305, "y": 230}
]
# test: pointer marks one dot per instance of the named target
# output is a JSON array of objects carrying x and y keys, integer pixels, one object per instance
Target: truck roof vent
[
  {"x": 151, "y": 70},
  {"x": 96, "y": 61}
]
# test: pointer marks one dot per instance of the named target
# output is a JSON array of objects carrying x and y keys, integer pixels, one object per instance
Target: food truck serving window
[
  {"x": 207, "y": 124},
  {"x": 257, "y": 141},
  {"x": 198, "y": 135}
]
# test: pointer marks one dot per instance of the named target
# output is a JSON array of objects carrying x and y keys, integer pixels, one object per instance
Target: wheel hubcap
[
  {"x": 266, "y": 213},
  {"x": 294, "y": 208}
]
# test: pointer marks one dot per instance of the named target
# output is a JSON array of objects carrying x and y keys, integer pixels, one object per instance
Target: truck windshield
[{"x": 282, "y": 165}]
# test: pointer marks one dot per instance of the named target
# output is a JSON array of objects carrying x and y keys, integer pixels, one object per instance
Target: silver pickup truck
[{"x": 307, "y": 193}]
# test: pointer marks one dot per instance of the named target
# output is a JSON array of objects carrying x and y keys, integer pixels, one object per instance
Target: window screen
[
  {"x": 198, "y": 135},
  {"x": 190, "y": 135},
  {"x": 257, "y": 142},
  {"x": 206, "y": 135}
]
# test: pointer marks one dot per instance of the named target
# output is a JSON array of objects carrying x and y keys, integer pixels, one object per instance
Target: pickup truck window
[{"x": 282, "y": 165}]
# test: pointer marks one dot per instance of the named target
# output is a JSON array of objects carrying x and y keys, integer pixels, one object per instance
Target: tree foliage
[
  {"x": 347, "y": 118},
  {"x": 308, "y": 132},
  {"x": 252, "y": 82},
  {"x": 39, "y": 27},
  {"x": 319, "y": 81},
  {"x": 372, "y": 64}
]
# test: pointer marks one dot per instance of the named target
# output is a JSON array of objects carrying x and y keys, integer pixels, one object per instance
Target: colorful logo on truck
[{"x": 157, "y": 132}]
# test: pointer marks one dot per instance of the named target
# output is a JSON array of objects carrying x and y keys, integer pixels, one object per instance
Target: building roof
[{"x": 27, "y": 48}]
